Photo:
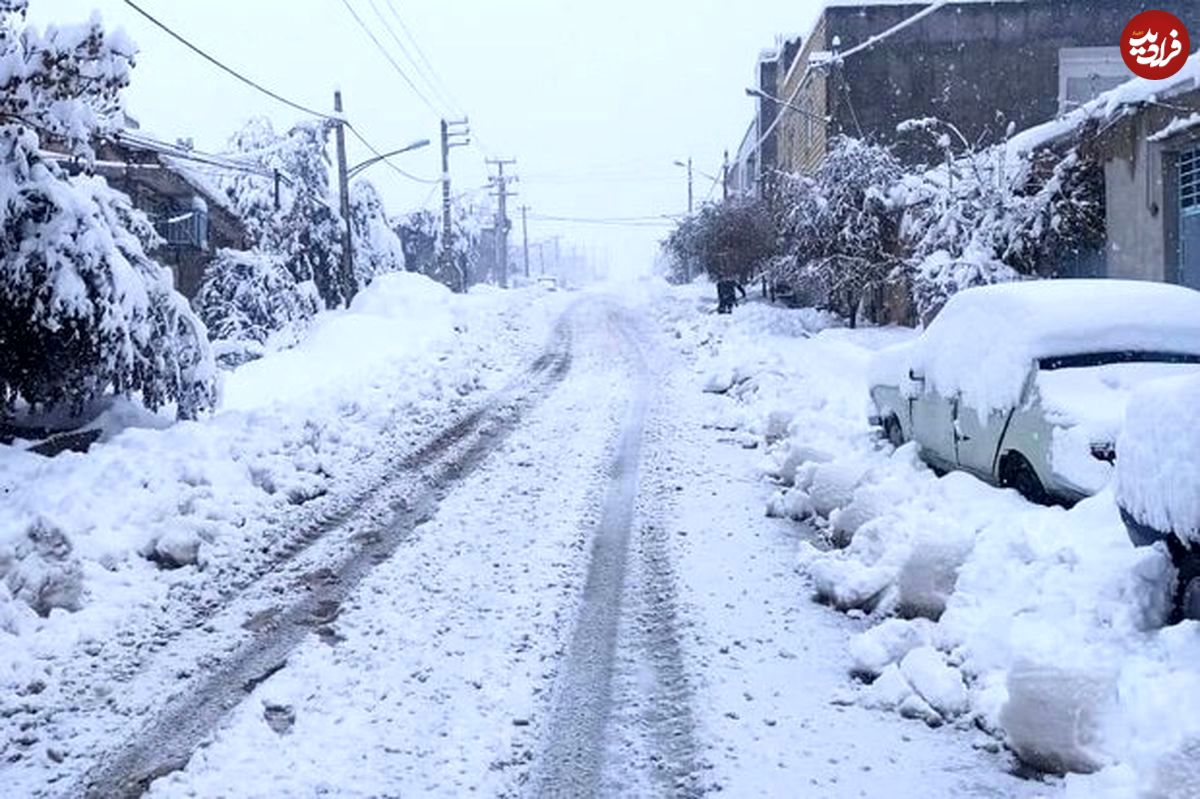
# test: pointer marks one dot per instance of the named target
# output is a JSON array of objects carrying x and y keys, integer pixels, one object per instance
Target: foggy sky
[{"x": 595, "y": 100}]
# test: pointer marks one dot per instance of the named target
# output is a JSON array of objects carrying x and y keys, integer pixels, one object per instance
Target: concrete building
[
  {"x": 1151, "y": 159},
  {"x": 981, "y": 66},
  {"x": 756, "y": 156}
]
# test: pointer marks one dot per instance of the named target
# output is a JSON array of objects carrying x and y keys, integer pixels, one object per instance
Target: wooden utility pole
[
  {"x": 500, "y": 181},
  {"x": 525, "y": 236},
  {"x": 725, "y": 177},
  {"x": 347, "y": 275},
  {"x": 447, "y": 222},
  {"x": 689, "y": 185}
]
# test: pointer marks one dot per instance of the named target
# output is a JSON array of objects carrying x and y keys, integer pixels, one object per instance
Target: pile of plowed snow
[{"x": 1041, "y": 625}]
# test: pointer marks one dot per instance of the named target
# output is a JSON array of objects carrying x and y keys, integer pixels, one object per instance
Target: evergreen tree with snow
[
  {"x": 84, "y": 311},
  {"x": 249, "y": 297},
  {"x": 377, "y": 248},
  {"x": 306, "y": 230},
  {"x": 418, "y": 232}
]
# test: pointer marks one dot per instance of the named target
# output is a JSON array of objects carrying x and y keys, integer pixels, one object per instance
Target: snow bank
[
  {"x": 1158, "y": 457},
  {"x": 1040, "y": 625},
  {"x": 1008, "y": 326},
  {"x": 400, "y": 317},
  {"x": 87, "y": 542}
]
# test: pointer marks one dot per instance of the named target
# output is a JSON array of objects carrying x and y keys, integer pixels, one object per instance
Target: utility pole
[
  {"x": 462, "y": 133},
  {"x": 525, "y": 236},
  {"x": 344, "y": 191},
  {"x": 500, "y": 181},
  {"x": 725, "y": 177},
  {"x": 689, "y": 185}
]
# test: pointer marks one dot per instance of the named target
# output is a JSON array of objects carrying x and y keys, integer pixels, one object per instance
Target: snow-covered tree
[
  {"x": 377, "y": 248},
  {"x": 732, "y": 239},
  {"x": 418, "y": 232},
  {"x": 996, "y": 214},
  {"x": 839, "y": 228},
  {"x": 247, "y": 297},
  {"x": 306, "y": 231},
  {"x": 84, "y": 311}
]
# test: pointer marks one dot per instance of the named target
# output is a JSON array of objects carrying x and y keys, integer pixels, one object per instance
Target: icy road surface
[{"x": 572, "y": 592}]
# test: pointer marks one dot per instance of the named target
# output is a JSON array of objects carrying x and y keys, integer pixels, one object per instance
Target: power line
[
  {"x": 869, "y": 42},
  {"x": 273, "y": 95},
  {"x": 421, "y": 53},
  {"x": 230, "y": 70},
  {"x": 420, "y": 70},
  {"x": 388, "y": 56},
  {"x": 617, "y": 221}
]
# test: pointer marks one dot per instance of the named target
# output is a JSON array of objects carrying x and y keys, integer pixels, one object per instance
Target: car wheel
[
  {"x": 1188, "y": 600},
  {"x": 1016, "y": 472},
  {"x": 893, "y": 432}
]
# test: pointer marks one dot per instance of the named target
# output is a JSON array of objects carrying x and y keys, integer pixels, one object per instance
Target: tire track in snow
[
  {"x": 167, "y": 742},
  {"x": 626, "y": 624}
]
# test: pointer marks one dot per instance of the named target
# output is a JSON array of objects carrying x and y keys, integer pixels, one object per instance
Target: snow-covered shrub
[
  {"x": 84, "y": 311},
  {"x": 418, "y": 233},
  {"x": 377, "y": 248},
  {"x": 248, "y": 296},
  {"x": 840, "y": 227},
  {"x": 990, "y": 215},
  {"x": 421, "y": 237}
]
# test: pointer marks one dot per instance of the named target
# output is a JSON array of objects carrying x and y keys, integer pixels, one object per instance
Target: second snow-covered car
[
  {"x": 1158, "y": 480},
  {"x": 1025, "y": 384}
]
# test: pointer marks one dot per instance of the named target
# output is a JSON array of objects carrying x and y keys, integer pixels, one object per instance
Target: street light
[
  {"x": 761, "y": 95},
  {"x": 370, "y": 162}
]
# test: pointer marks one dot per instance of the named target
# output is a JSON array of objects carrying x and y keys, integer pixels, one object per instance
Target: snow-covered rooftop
[{"x": 1109, "y": 104}]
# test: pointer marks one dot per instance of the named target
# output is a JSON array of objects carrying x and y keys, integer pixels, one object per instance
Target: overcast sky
[{"x": 594, "y": 99}]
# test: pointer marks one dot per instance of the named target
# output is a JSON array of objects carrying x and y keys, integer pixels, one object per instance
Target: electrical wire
[
  {"x": 630, "y": 221},
  {"x": 340, "y": 120},
  {"x": 386, "y": 54},
  {"x": 404, "y": 50},
  {"x": 252, "y": 84},
  {"x": 447, "y": 94},
  {"x": 869, "y": 42}
]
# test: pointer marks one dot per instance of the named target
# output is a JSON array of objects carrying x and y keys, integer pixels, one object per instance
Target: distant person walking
[{"x": 727, "y": 291}]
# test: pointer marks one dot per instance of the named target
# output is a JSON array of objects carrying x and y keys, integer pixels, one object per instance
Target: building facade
[
  {"x": 1151, "y": 162},
  {"x": 987, "y": 68}
]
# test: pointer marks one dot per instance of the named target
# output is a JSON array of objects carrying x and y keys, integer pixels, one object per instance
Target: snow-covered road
[{"x": 571, "y": 591}]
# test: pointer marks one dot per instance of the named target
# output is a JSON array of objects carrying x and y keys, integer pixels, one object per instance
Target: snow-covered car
[
  {"x": 1025, "y": 384},
  {"x": 1158, "y": 479},
  {"x": 548, "y": 282}
]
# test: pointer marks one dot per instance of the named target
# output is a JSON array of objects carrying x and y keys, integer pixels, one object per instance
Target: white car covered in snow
[
  {"x": 1025, "y": 384},
  {"x": 1158, "y": 479}
]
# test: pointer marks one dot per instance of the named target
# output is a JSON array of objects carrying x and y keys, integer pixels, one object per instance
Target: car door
[
  {"x": 977, "y": 439},
  {"x": 933, "y": 424}
]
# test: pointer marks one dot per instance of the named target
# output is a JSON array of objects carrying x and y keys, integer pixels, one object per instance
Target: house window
[
  {"x": 1189, "y": 217},
  {"x": 185, "y": 226},
  {"x": 1189, "y": 182},
  {"x": 1084, "y": 73}
]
